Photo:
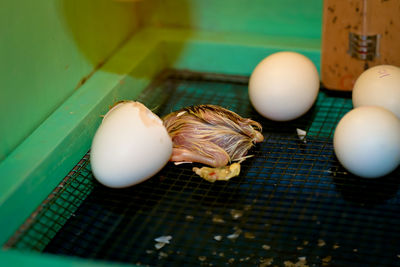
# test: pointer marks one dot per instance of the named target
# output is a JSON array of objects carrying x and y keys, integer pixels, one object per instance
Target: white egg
[
  {"x": 367, "y": 141},
  {"x": 378, "y": 86},
  {"x": 284, "y": 86},
  {"x": 130, "y": 145}
]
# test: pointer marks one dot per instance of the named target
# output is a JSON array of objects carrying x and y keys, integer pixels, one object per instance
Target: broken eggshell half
[{"x": 130, "y": 145}]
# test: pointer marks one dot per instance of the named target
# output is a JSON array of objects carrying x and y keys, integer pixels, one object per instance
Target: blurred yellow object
[{"x": 221, "y": 173}]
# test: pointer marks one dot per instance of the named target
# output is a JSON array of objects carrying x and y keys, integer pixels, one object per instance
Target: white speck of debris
[
  {"x": 202, "y": 258},
  {"x": 321, "y": 243},
  {"x": 327, "y": 259},
  {"x": 301, "y": 263},
  {"x": 162, "y": 255},
  {"x": 159, "y": 245},
  {"x": 149, "y": 251},
  {"x": 266, "y": 247},
  {"x": 249, "y": 235},
  {"x": 235, "y": 235},
  {"x": 163, "y": 239},
  {"x": 266, "y": 262},
  {"x": 301, "y": 134},
  {"x": 218, "y": 237},
  {"x": 236, "y": 214},
  {"x": 218, "y": 219},
  {"x": 189, "y": 217},
  {"x": 244, "y": 259}
]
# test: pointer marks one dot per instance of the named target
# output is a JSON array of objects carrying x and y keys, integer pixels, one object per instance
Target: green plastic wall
[
  {"x": 262, "y": 17},
  {"x": 47, "y": 48}
]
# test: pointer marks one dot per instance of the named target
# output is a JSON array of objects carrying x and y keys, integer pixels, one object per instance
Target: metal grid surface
[{"x": 292, "y": 205}]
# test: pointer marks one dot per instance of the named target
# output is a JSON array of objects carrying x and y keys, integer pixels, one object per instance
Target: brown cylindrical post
[{"x": 356, "y": 35}]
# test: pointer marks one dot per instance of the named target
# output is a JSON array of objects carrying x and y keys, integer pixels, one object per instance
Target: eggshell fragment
[{"x": 130, "y": 146}]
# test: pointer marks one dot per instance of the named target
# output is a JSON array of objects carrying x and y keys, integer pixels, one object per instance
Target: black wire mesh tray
[{"x": 292, "y": 205}]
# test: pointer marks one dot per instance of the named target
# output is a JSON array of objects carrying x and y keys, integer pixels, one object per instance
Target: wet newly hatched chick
[{"x": 211, "y": 135}]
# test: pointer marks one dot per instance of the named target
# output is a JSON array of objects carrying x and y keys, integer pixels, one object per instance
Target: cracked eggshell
[
  {"x": 130, "y": 146},
  {"x": 367, "y": 141}
]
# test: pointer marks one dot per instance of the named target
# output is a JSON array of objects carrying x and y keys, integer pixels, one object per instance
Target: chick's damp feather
[{"x": 211, "y": 135}]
